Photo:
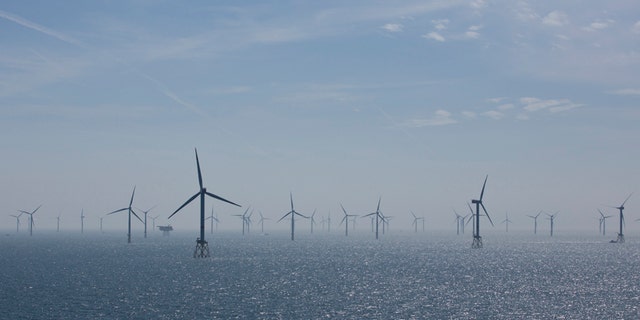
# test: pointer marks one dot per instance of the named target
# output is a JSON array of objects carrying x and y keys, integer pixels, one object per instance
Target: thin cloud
[
  {"x": 599, "y": 25},
  {"x": 434, "y": 36},
  {"x": 636, "y": 27},
  {"x": 440, "y": 118},
  {"x": 469, "y": 114},
  {"x": 473, "y": 33},
  {"x": 556, "y": 19},
  {"x": 625, "y": 92},
  {"x": 393, "y": 27},
  {"x": 440, "y": 24},
  {"x": 553, "y": 105},
  {"x": 493, "y": 114}
]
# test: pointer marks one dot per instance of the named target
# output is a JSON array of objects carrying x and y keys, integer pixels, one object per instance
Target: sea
[{"x": 318, "y": 276}]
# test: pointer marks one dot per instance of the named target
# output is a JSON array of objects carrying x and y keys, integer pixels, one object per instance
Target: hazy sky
[{"x": 335, "y": 101}]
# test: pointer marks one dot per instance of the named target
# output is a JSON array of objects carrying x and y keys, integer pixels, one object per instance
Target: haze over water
[{"x": 409, "y": 276}]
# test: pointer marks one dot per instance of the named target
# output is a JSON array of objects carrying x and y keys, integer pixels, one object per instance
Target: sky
[{"x": 415, "y": 102}]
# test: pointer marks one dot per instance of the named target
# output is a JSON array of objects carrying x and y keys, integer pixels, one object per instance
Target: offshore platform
[{"x": 165, "y": 230}]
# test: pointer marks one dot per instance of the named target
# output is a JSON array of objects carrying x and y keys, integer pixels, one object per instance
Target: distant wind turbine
[
  {"x": 130, "y": 210},
  {"x": 506, "y": 221},
  {"x": 261, "y": 221},
  {"x": 293, "y": 213},
  {"x": 82, "y": 216},
  {"x": 202, "y": 246},
  {"x": 153, "y": 219},
  {"x": 18, "y": 221},
  {"x": 603, "y": 222},
  {"x": 345, "y": 219},
  {"x": 415, "y": 222},
  {"x": 459, "y": 222},
  {"x": 30, "y": 214},
  {"x": 213, "y": 219},
  {"x": 551, "y": 218},
  {"x": 244, "y": 218},
  {"x": 621, "y": 208},
  {"x": 312, "y": 220},
  {"x": 145, "y": 220},
  {"x": 535, "y": 222},
  {"x": 378, "y": 215},
  {"x": 477, "y": 239}
]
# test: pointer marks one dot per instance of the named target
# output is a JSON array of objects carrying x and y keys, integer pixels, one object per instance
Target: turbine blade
[
  {"x": 291, "y": 197},
  {"x": 132, "y": 194},
  {"x": 186, "y": 203},
  {"x": 112, "y": 212},
  {"x": 135, "y": 214},
  {"x": 343, "y": 210},
  {"x": 483, "y": 185},
  {"x": 302, "y": 215},
  {"x": 288, "y": 213},
  {"x": 222, "y": 199},
  {"x": 199, "y": 172},
  {"x": 487, "y": 213},
  {"x": 625, "y": 200},
  {"x": 34, "y": 211},
  {"x": 470, "y": 209},
  {"x": 379, "y": 199}
]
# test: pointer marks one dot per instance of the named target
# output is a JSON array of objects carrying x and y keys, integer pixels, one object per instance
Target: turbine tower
[
  {"x": 459, "y": 221},
  {"x": 31, "y": 223},
  {"x": 17, "y": 221},
  {"x": 245, "y": 220},
  {"x": 202, "y": 246},
  {"x": 293, "y": 213},
  {"x": 82, "y": 216},
  {"x": 535, "y": 222},
  {"x": 506, "y": 221},
  {"x": 130, "y": 210},
  {"x": 145, "y": 220},
  {"x": 621, "y": 208},
  {"x": 101, "y": 224},
  {"x": 378, "y": 215},
  {"x": 58, "y": 222},
  {"x": 551, "y": 218},
  {"x": 261, "y": 222},
  {"x": 345, "y": 219},
  {"x": 477, "y": 239}
]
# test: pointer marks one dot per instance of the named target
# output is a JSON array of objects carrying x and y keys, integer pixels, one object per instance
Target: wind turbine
[
  {"x": 329, "y": 223},
  {"x": 212, "y": 218},
  {"x": 101, "y": 224},
  {"x": 603, "y": 221},
  {"x": 345, "y": 219},
  {"x": 82, "y": 216},
  {"x": 477, "y": 239},
  {"x": 415, "y": 222},
  {"x": 130, "y": 210},
  {"x": 621, "y": 208},
  {"x": 506, "y": 221},
  {"x": 31, "y": 223},
  {"x": 378, "y": 215},
  {"x": 312, "y": 220},
  {"x": 202, "y": 246},
  {"x": 293, "y": 213},
  {"x": 244, "y": 219},
  {"x": 535, "y": 222},
  {"x": 153, "y": 219},
  {"x": 459, "y": 222},
  {"x": 145, "y": 219},
  {"x": 551, "y": 218},
  {"x": 261, "y": 222},
  {"x": 17, "y": 221},
  {"x": 58, "y": 222}
]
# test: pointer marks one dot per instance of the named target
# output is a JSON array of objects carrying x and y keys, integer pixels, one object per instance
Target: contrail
[{"x": 34, "y": 26}]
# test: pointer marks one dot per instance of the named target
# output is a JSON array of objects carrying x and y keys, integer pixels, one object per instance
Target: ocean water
[{"x": 408, "y": 276}]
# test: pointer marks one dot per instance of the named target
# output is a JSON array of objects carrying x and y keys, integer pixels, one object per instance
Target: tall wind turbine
[
  {"x": 378, "y": 215},
  {"x": 17, "y": 221},
  {"x": 345, "y": 219},
  {"x": 202, "y": 246},
  {"x": 130, "y": 210},
  {"x": 506, "y": 221},
  {"x": 293, "y": 213},
  {"x": 145, "y": 220},
  {"x": 621, "y": 208},
  {"x": 551, "y": 218},
  {"x": 82, "y": 216},
  {"x": 477, "y": 239},
  {"x": 603, "y": 221},
  {"x": 459, "y": 222},
  {"x": 31, "y": 223},
  {"x": 535, "y": 222}
]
